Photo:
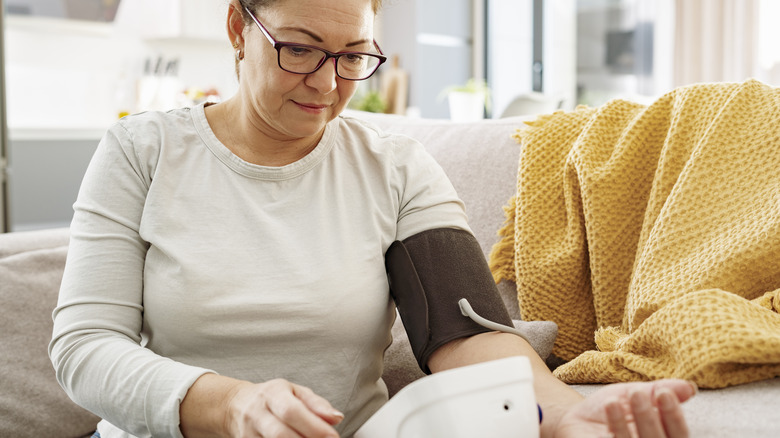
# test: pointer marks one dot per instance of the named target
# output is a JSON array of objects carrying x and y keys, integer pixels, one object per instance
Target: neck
[{"x": 254, "y": 141}]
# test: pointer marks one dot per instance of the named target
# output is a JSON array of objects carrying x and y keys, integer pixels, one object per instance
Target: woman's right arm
[
  {"x": 96, "y": 343},
  {"x": 96, "y": 346}
]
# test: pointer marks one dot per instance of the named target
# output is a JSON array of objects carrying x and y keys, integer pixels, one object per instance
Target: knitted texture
[{"x": 651, "y": 235}]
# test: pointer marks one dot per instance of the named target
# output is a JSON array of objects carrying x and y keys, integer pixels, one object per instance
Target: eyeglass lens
[{"x": 304, "y": 60}]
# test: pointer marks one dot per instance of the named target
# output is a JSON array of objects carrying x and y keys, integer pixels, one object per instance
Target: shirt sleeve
[
  {"x": 97, "y": 346},
  {"x": 427, "y": 198}
]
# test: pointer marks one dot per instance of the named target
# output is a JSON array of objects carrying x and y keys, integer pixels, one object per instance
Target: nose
[{"x": 324, "y": 79}]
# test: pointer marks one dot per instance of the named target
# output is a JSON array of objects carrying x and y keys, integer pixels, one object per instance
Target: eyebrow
[{"x": 316, "y": 37}]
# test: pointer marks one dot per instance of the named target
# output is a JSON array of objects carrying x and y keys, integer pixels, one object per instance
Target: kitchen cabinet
[
  {"x": 45, "y": 169},
  {"x": 174, "y": 19}
]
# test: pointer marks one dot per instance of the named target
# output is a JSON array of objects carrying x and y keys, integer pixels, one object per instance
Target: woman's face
[{"x": 290, "y": 106}]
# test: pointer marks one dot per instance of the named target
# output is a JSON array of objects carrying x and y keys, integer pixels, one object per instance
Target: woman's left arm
[
  {"x": 427, "y": 203},
  {"x": 643, "y": 409}
]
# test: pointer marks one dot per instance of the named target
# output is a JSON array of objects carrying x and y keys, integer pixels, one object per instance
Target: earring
[{"x": 239, "y": 52}]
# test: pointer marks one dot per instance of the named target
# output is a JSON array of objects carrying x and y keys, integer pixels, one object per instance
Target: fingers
[
  {"x": 294, "y": 419},
  {"x": 279, "y": 408},
  {"x": 671, "y": 413},
  {"x": 648, "y": 412},
  {"x": 683, "y": 389},
  {"x": 293, "y": 412},
  {"x": 318, "y": 405},
  {"x": 646, "y": 417},
  {"x": 617, "y": 420}
]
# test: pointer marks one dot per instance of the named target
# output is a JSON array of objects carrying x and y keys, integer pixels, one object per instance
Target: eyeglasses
[{"x": 305, "y": 59}]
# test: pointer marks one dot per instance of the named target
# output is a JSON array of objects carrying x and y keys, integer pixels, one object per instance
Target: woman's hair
[{"x": 254, "y": 5}]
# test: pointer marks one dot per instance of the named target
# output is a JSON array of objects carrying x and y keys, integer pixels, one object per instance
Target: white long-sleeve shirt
[{"x": 185, "y": 259}]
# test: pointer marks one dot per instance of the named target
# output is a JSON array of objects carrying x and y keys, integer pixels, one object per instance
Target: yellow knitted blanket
[{"x": 651, "y": 235}]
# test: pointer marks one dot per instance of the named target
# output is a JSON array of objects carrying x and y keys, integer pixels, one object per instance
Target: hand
[
  {"x": 278, "y": 408},
  {"x": 625, "y": 410}
]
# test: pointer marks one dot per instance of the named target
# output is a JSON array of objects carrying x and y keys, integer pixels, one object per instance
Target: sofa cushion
[
  {"x": 14, "y": 243},
  {"x": 31, "y": 401}
]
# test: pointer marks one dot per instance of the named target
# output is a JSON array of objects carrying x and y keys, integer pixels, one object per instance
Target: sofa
[{"x": 480, "y": 159}]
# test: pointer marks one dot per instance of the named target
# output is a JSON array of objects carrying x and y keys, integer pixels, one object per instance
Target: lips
[{"x": 312, "y": 106}]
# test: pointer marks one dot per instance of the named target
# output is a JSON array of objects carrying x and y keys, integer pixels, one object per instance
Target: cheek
[
  {"x": 270, "y": 85},
  {"x": 346, "y": 91}
]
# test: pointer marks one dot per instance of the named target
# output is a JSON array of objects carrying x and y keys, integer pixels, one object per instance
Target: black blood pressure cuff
[{"x": 429, "y": 273}]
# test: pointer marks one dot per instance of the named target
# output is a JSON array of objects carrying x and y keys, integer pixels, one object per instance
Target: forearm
[
  {"x": 553, "y": 396},
  {"x": 203, "y": 412}
]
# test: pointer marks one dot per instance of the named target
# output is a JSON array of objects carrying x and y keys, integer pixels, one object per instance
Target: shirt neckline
[{"x": 250, "y": 170}]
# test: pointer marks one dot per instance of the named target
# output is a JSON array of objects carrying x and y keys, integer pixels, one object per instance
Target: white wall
[
  {"x": 70, "y": 75},
  {"x": 560, "y": 51},
  {"x": 434, "y": 41},
  {"x": 510, "y": 51},
  {"x": 510, "y": 29}
]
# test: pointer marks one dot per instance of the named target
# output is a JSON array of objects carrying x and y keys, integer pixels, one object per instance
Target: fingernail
[
  {"x": 614, "y": 410},
  {"x": 694, "y": 386},
  {"x": 336, "y": 417},
  {"x": 667, "y": 400},
  {"x": 640, "y": 401}
]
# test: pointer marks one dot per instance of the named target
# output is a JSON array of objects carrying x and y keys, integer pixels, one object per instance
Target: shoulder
[
  {"x": 367, "y": 134},
  {"x": 153, "y": 123},
  {"x": 139, "y": 139},
  {"x": 361, "y": 122},
  {"x": 401, "y": 156},
  {"x": 147, "y": 132}
]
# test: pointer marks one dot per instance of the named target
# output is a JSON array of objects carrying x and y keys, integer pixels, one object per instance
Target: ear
[{"x": 235, "y": 23}]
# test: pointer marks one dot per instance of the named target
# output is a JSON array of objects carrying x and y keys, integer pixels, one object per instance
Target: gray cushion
[
  {"x": 14, "y": 243},
  {"x": 31, "y": 401}
]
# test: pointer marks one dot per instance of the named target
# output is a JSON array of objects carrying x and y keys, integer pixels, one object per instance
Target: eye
[
  {"x": 298, "y": 51},
  {"x": 354, "y": 58}
]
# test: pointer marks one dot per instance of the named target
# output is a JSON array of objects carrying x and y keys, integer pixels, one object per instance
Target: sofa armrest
[{"x": 32, "y": 402}]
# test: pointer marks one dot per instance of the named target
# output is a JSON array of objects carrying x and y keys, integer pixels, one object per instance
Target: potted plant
[
  {"x": 370, "y": 101},
  {"x": 468, "y": 102}
]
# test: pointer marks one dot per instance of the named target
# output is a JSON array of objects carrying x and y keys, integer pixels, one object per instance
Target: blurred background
[{"x": 73, "y": 67}]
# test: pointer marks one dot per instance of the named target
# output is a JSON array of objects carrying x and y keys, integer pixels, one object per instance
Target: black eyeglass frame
[{"x": 278, "y": 45}]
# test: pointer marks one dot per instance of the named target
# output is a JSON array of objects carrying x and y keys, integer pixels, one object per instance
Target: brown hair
[{"x": 254, "y": 5}]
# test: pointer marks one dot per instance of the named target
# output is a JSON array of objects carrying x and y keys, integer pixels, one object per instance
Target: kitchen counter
[{"x": 59, "y": 133}]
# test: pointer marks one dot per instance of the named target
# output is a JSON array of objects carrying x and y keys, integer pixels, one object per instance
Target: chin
[
  {"x": 301, "y": 123},
  {"x": 310, "y": 127}
]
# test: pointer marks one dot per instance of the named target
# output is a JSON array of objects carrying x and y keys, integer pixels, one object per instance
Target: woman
[{"x": 226, "y": 275}]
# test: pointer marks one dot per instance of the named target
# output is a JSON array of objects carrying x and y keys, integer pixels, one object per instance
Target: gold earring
[{"x": 239, "y": 52}]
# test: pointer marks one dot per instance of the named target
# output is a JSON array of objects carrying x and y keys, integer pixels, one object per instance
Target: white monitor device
[{"x": 491, "y": 399}]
